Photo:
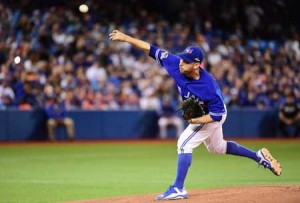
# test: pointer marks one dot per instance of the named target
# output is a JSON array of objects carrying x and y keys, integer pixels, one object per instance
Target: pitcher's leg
[
  {"x": 190, "y": 138},
  {"x": 234, "y": 148},
  {"x": 188, "y": 141},
  {"x": 217, "y": 145}
]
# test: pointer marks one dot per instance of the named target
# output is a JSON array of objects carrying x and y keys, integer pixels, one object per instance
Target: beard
[{"x": 186, "y": 73}]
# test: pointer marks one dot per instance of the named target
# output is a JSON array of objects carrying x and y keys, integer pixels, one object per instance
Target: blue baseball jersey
[{"x": 205, "y": 90}]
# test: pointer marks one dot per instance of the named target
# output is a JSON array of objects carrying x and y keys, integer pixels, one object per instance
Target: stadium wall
[{"x": 31, "y": 125}]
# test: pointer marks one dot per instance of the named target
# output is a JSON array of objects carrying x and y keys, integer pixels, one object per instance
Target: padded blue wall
[
  {"x": 31, "y": 125},
  {"x": 251, "y": 123}
]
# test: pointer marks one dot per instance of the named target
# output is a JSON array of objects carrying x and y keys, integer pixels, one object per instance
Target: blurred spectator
[
  {"x": 251, "y": 99},
  {"x": 250, "y": 54},
  {"x": 56, "y": 112},
  {"x": 28, "y": 100},
  {"x": 7, "y": 95},
  {"x": 275, "y": 100},
  {"x": 6, "y": 102},
  {"x": 149, "y": 100},
  {"x": 168, "y": 117},
  {"x": 226, "y": 95},
  {"x": 234, "y": 101},
  {"x": 96, "y": 73},
  {"x": 131, "y": 101},
  {"x": 88, "y": 103},
  {"x": 71, "y": 100},
  {"x": 254, "y": 14},
  {"x": 289, "y": 116}
]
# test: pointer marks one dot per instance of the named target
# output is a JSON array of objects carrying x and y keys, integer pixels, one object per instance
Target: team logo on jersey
[
  {"x": 164, "y": 55},
  {"x": 193, "y": 97},
  {"x": 188, "y": 95}
]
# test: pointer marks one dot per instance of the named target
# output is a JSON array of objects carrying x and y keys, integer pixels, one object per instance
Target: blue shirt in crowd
[{"x": 56, "y": 111}]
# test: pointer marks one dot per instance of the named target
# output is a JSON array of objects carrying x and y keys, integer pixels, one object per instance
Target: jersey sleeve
[
  {"x": 216, "y": 105},
  {"x": 169, "y": 61},
  {"x": 216, "y": 108}
]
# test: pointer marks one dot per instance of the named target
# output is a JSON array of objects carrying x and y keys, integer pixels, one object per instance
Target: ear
[{"x": 197, "y": 65}]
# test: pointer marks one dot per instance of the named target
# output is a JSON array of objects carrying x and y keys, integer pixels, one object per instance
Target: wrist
[{"x": 126, "y": 38}]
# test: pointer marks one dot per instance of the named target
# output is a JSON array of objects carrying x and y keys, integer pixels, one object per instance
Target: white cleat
[{"x": 173, "y": 193}]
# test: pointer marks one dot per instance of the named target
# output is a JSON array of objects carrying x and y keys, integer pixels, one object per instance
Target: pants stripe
[{"x": 190, "y": 137}]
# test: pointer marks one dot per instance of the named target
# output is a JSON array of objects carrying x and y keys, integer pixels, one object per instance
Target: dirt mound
[{"x": 253, "y": 194}]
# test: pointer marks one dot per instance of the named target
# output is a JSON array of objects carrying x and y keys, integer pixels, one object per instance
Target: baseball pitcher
[{"x": 203, "y": 107}]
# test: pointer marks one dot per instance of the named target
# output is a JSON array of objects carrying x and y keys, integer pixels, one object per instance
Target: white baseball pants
[{"x": 211, "y": 134}]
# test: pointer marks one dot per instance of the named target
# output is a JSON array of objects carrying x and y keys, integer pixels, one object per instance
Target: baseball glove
[{"x": 191, "y": 109}]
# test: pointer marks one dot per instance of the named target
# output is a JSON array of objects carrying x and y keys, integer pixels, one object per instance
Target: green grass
[{"x": 52, "y": 173}]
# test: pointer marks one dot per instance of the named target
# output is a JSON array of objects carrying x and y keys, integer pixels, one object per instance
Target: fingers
[
  {"x": 113, "y": 35},
  {"x": 116, "y": 35}
]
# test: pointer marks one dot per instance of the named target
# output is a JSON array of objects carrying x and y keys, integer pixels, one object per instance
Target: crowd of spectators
[{"x": 48, "y": 50}]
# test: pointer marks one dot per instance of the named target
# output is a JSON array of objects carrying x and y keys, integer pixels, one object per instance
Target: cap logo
[
  {"x": 189, "y": 51},
  {"x": 197, "y": 59}
]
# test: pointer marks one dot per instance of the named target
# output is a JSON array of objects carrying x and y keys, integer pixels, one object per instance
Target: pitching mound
[{"x": 253, "y": 194}]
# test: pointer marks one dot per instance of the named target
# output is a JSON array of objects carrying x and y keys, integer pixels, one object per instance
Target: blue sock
[
  {"x": 183, "y": 164},
  {"x": 235, "y": 149}
]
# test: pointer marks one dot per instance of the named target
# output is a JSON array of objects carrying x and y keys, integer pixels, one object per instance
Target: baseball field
[{"x": 137, "y": 171}]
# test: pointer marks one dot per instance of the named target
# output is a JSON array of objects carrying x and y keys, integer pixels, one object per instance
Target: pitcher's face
[{"x": 187, "y": 68}]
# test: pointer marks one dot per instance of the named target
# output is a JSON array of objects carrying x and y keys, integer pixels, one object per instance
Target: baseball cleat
[
  {"x": 173, "y": 193},
  {"x": 268, "y": 161}
]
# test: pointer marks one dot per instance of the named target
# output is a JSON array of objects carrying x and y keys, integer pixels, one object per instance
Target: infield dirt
[{"x": 253, "y": 194}]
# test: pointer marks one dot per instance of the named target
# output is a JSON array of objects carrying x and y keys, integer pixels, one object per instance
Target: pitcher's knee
[
  {"x": 184, "y": 150},
  {"x": 217, "y": 148}
]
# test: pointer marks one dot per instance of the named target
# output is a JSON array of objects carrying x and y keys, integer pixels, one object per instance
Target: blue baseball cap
[{"x": 192, "y": 54}]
